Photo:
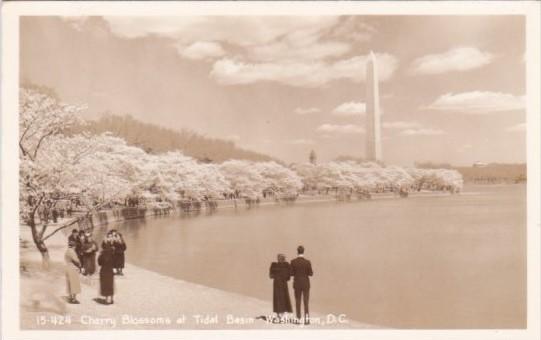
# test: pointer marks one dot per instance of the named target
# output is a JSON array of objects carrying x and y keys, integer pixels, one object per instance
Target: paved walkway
[{"x": 144, "y": 300}]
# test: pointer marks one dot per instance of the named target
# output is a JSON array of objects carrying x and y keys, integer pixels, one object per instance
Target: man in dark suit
[{"x": 301, "y": 269}]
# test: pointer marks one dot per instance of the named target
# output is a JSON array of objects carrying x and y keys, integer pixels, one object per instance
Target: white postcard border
[{"x": 9, "y": 151}]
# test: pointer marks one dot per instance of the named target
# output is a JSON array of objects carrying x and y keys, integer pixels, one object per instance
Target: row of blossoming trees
[{"x": 98, "y": 170}]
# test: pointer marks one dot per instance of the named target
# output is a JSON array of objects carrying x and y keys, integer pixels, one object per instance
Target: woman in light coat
[{"x": 73, "y": 266}]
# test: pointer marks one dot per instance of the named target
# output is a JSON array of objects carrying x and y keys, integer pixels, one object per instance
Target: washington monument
[{"x": 373, "y": 126}]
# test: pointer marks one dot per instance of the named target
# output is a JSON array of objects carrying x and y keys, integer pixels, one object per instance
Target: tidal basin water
[{"x": 425, "y": 262}]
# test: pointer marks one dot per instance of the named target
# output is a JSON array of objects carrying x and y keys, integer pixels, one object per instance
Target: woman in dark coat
[
  {"x": 105, "y": 260},
  {"x": 89, "y": 247},
  {"x": 118, "y": 253},
  {"x": 280, "y": 273}
]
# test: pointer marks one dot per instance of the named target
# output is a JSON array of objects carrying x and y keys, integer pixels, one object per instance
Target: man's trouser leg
[
  {"x": 298, "y": 292},
  {"x": 306, "y": 298}
]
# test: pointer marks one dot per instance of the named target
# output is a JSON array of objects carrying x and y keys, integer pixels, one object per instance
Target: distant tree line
[
  {"x": 488, "y": 174},
  {"x": 494, "y": 173},
  {"x": 431, "y": 165},
  {"x": 156, "y": 139}
]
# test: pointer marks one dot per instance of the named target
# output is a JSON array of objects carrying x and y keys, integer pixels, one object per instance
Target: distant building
[
  {"x": 313, "y": 157},
  {"x": 479, "y": 164}
]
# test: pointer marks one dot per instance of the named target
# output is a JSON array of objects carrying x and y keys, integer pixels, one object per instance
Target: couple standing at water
[{"x": 281, "y": 271}]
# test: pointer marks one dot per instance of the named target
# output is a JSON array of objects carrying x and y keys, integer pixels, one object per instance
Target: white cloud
[
  {"x": 298, "y": 45},
  {"x": 342, "y": 129},
  {"x": 355, "y": 68},
  {"x": 294, "y": 50},
  {"x": 353, "y": 28},
  {"x": 422, "y": 132},
  {"x": 478, "y": 102},
  {"x": 458, "y": 59},
  {"x": 301, "y": 142},
  {"x": 229, "y": 71},
  {"x": 236, "y": 30},
  {"x": 202, "y": 50},
  {"x": 409, "y": 128},
  {"x": 350, "y": 109},
  {"x": 401, "y": 125},
  {"x": 234, "y": 72},
  {"x": 517, "y": 128},
  {"x": 264, "y": 38},
  {"x": 306, "y": 111}
]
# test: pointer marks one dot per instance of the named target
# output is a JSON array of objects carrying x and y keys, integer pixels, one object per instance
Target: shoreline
[
  {"x": 144, "y": 299},
  {"x": 112, "y": 216}
]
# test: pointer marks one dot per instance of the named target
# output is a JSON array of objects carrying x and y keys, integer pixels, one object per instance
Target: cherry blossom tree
[
  {"x": 42, "y": 118},
  {"x": 279, "y": 179},
  {"x": 53, "y": 165},
  {"x": 308, "y": 174},
  {"x": 184, "y": 176},
  {"x": 436, "y": 179},
  {"x": 244, "y": 178}
]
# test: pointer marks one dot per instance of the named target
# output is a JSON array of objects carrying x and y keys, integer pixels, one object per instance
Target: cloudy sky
[{"x": 452, "y": 88}]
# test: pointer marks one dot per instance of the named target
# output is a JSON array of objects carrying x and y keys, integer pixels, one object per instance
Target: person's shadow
[{"x": 101, "y": 301}]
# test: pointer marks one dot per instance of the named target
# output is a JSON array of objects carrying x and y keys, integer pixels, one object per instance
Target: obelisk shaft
[{"x": 373, "y": 124}]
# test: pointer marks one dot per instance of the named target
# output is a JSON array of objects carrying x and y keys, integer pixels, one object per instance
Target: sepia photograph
[{"x": 314, "y": 168}]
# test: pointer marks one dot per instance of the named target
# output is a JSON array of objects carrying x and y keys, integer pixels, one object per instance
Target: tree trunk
[
  {"x": 38, "y": 241},
  {"x": 44, "y": 255}
]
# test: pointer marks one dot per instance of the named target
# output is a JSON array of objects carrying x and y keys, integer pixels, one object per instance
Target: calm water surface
[{"x": 432, "y": 262}]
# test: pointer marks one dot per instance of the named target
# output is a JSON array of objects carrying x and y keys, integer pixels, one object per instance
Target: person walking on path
[
  {"x": 301, "y": 270},
  {"x": 280, "y": 273},
  {"x": 105, "y": 260},
  {"x": 89, "y": 248},
  {"x": 119, "y": 247},
  {"x": 73, "y": 285}
]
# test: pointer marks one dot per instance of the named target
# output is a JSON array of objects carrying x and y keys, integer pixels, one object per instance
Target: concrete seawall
[{"x": 122, "y": 214}]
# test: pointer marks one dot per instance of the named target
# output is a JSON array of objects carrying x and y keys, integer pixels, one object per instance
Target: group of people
[
  {"x": 281, "y": 271},
  {"x": 80, "y": 258}
]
